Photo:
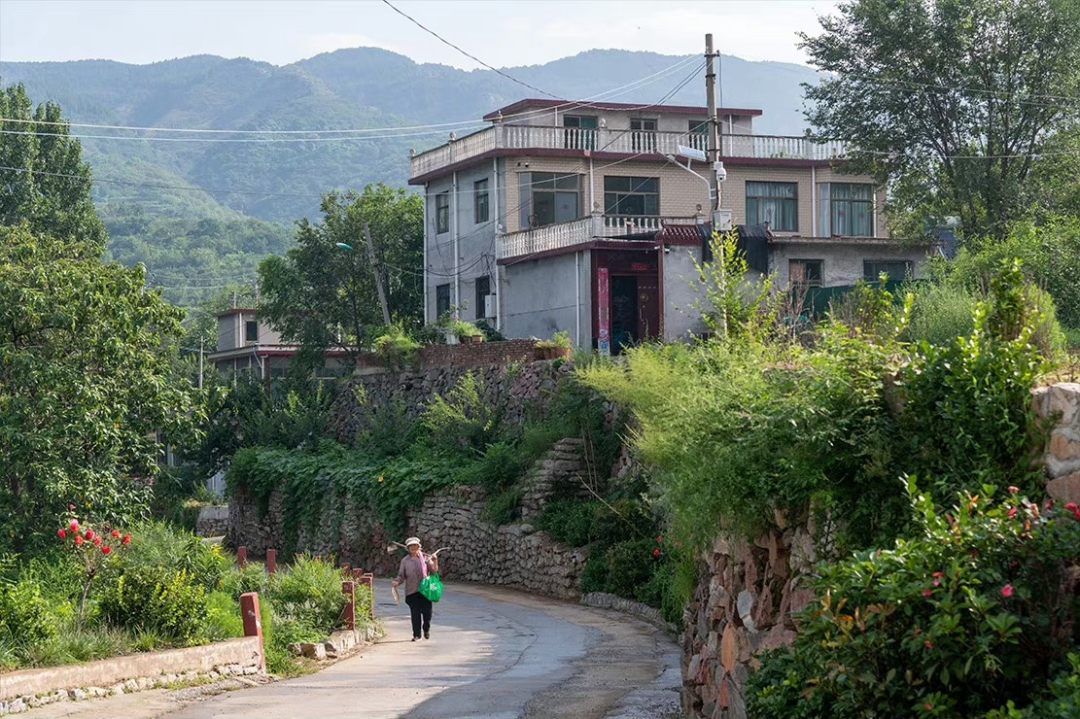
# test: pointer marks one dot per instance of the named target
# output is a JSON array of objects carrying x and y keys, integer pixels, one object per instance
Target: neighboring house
[
  {"x": 246, "y": 344},
  {"x": 570, "y": 217}
]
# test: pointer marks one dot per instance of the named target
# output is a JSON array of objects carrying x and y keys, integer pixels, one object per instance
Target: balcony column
[{"x": 596, "y": 226}]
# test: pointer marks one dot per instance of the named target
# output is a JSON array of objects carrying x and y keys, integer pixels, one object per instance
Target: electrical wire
[{"x": 443, "y": 40}]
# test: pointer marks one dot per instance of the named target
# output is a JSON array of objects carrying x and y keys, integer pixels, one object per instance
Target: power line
[
  {"x": 443, "y": 40},
  {"x": 256, "y": 141}
]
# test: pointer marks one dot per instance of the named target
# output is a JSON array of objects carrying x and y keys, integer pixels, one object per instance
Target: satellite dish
[{"x": 692, "y": 153}]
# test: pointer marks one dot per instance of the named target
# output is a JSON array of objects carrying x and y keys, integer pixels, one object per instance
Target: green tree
[
  {"x": 36, "y": 169},
  {"x": 322, "y": 296},
  {"x": 85, "y": 381},
  {"x": 951, "y": 100}
]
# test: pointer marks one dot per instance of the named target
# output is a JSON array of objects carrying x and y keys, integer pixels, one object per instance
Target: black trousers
[{"x": 420, "y": 606}]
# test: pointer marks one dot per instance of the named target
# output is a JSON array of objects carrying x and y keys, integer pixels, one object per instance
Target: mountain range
[{"x": 251, "y": 186}]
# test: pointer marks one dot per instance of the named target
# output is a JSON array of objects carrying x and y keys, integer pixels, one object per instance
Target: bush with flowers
[{"x": 971, "y": 617}]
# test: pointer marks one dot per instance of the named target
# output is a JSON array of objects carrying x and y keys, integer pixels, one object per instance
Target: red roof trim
[
  {"x": 584, "y": 105},
  {"x": 556, "y": 152}
]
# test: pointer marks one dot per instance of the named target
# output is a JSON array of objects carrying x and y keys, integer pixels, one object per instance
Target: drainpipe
[
  {"x": 813, "y": 201},
  {"x": 592, "y": 188},
  {"x": 498, "y": 284},
  {"x": 577, "y": 297},
  {"x": 457, "y": 253},
  {"x": 426, "y": 315}
]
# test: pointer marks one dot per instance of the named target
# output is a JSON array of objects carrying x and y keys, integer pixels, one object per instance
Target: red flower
[
  {"x": 89, "y": 534},
  {"x": 1007, "y": 591},
  {"x": 928, "y": 644},
  {"x": 127, "y": 540},
  {"x": 97, "y": 541},
  {"x": 1013, "y": 490},
  {"x": 939, "y": 575},
  {"x": 928, "y": 707},
  {"x": 927, "y": 592},
  {"x": 106, "y": 550},
  {"x": 116, "y": 534},
  {"x": 61, "y": 533},
  {"x": 916, "y": 633},
  {"x": 74, "y": 524},
  {"x": 1071, "y": 506},
  {"x": 1012, "y": 513},
  {"x": 78, "y": 541},
  {"x": 659, "y": 540},
  {"x": 656, "y": 553}
]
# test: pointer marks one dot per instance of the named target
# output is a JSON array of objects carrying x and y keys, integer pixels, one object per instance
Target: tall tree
[
  {"x": 323, "y": 296},
  {"x": 85, "y": 381},
  {"x": 43, "y": 178},
  {"x": 951, "y": 100}
]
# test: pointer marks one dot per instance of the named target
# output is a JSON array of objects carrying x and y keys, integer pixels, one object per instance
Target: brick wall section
[{"x": 477, "y": 355}]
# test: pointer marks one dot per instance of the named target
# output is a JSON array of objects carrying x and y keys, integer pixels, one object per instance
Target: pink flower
[
  {"x": 71, "y": 507},
  {"x": 74, "y": 525},
  {"x": 1007, "y": 591},
  {"x": 927, "y": 592},
  {"x": 1012, "y": 513},
  {"x": 928, "y": 644},
  {"x": 659, "y": 540},
  {"x": 937, "y": 582},
  {"x": 1013, "y": 490}
]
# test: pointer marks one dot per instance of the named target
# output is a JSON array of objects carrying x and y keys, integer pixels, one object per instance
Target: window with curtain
[
  {"x": 480, "y": 201},
  {"x": 774, "y": 202},
  {"x": 632, "y": 196},
  {"x": 548, "y": 198},
  {"x": 845, "y": 209},
  {"x": 442, "y": 212}
]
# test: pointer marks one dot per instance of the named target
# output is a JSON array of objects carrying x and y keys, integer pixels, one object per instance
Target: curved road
[{"x": 493, "y": 654}]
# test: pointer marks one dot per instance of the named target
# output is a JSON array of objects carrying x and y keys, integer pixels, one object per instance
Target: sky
[{"x": 503, "y": 33}]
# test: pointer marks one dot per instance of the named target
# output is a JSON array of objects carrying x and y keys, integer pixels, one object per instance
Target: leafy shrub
[
  {"x": 464, "y": 329},
  {"x": 155, "y": 599},
  {"x": 309, "y": 592},
  {"x": 390, "y": 431},
  {"x": 466, "y": 418},
  {"x": 252, "y": 578},
  {"x": 957, "y": 622},
  {"x": 395, "y": 348},
  {"x": 504, "y": 507},
  {"x": 223, "y": 617},
  {"x": 25, "y": 614},
  {"x": 594, "y": 576},
  {"x": 159, "y": 544},
  {"x": 568, "y": 521},
  {"x": 630, "y": 565},
  {"x": 77, "y": 643},
  {"x": 561, "y": 340},
  {"x": 940, "y": 313}
]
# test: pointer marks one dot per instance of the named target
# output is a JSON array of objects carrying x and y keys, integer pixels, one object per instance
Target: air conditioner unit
[{"x": 489, "y": 305}]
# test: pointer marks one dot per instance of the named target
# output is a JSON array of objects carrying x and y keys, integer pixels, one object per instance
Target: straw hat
[{"x": 411, "y": 541}]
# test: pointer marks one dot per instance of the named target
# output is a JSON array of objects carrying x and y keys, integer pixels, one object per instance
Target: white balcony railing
[
  {"x": 527, "y": 137},
  {"x": 577, "y": 232}
]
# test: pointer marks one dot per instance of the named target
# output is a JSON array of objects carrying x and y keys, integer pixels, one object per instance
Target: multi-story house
[{"x": 576, "y": 217}]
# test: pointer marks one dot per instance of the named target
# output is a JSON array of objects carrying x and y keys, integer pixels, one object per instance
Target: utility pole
[
  {"x": 200, "y": 363},
  {"x": 378, "y": 275},
  {"x": 715, "y": 168}
]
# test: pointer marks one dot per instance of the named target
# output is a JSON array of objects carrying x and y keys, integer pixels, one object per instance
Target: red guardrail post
[
  {"x": 241, "y": 557},
  {"x": 249, "y": 610},
  {"x": 271, "y": 561},
  {"x": 349, "y": 590}
]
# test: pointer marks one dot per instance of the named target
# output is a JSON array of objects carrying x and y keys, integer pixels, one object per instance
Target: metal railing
[
  {"x": 527, "y": 137},
  {"x": 577, "y": 232}
]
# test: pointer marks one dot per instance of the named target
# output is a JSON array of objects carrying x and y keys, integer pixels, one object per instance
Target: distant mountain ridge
[{"x": 353, "y": 88}]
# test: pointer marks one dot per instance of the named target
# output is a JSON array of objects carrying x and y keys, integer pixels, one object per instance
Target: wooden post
[
  {"x": 349, "y": 590},
  {"x": 271, "y": 561},
  {"x": 241, "y": 557},
  {"x": 249, "y": 610}
]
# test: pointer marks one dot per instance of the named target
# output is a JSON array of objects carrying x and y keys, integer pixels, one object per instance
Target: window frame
[
  {"x": 643, "y": 139},
  {"x": 807, "y": 262},
  {"x": 442, "y": 212},
  {"x": 909, "y": 269},
  {"x": 250, "y": 336},
  {"x": 827, "y": 201},
  {"x": 441, "y": 290},
  {"x": 757, "y": 199},
  {"x": 531, "y": 187},
  {"x": 634, "y": 183},
  {"x": 481, "y": 200}
]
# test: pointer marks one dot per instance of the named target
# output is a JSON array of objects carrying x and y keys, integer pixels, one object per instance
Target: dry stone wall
[
  {"x": 513, "y": 555},
  {"x": 748, "y": 591}
]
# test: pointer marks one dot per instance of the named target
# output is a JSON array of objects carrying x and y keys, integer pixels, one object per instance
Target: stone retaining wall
[
  {"x": 748, "y": 591},
  {"x": 212, "y": 522}
]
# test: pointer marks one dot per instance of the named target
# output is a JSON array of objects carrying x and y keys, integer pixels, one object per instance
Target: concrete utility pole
[
  {"x": 378, "y": 275},
  {"x": 200, "y": 363},
  {"x": 715, "y": 169}
]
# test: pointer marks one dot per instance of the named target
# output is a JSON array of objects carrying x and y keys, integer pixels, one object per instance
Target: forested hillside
[{"x": 203, "y": 208}]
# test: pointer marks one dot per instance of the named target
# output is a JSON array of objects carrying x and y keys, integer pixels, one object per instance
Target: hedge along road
[{"x": 493, "y": 654}]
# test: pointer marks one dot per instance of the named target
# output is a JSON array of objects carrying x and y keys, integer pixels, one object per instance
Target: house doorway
[{"x": 624, "y": 312}]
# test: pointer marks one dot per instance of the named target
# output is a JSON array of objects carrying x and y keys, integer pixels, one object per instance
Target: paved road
[{"x": 493, "y": 654}]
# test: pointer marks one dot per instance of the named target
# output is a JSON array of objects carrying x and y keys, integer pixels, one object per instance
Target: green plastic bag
[{"x": 432, "y": 587}]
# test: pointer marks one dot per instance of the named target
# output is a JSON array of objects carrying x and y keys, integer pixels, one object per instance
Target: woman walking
[{"x": 414, "y": 568}]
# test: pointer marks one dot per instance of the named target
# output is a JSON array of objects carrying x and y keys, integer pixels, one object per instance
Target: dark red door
[{"x": 648, "y": 307}]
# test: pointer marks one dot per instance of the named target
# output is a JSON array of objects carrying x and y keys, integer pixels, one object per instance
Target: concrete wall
[
  {"x": 542, "y": 297},
  {"x": 842, "y": 264},
  {"x": 232, "y": 331},
  {"x": 682, "y": 290}
]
